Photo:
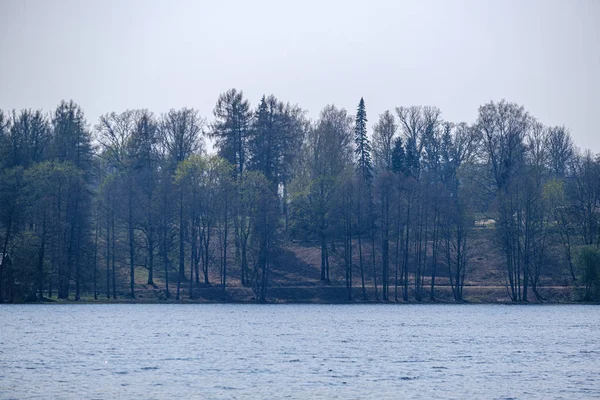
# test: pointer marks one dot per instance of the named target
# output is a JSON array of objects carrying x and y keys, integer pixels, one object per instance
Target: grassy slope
[{"x": 295, "y": 277}]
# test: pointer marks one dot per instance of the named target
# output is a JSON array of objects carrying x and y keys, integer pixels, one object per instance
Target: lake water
[{"x": 228, "y": 351}]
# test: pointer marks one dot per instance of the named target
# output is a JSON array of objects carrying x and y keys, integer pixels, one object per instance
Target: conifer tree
[
  {"x": 398, "y": 156},
  {"x": 231, "y": 128},
  {"x": 362, "y": 151},
  {"x": 364, "y": 170},
  {"x": 72, "y": 144}
]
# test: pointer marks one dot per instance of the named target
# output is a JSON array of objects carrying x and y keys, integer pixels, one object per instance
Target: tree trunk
[
  {"x": 397, "y": 261},
  {"x": 114, "y": 269},
  {"x": 197, "y": 251},
  {"x": 207, "y": 255},
  {"x": 191, "y": 283},
  {"x": 131, "y": 246},
  {"x": 406, "y": 248},
  {"x": 327, "y": 264},
  {"x": 262, "y": 261},
  {"x": 181, "y": 274},
  {"x": 237, "y": 244},
  {"x": 40, "y": 271},
  {"x": 107, "y": 253},
  {"x": 434, "y": 252},
  {"x": 151, "y": 258},
  {"x": 385, "y": 245},
  {"x": 193, "y": 255},
  {"x": 165, "y": 258},
  {"x": 323, "y": 254},
  {"x": 362, "y": 270},
  {"x": 244, "y": 232},
  {"x": 78, "y": 264},
  {"x": 4, "y": 255},
  {"x": 73, "y": 247},
  {"x": 96, "y": 255},
  {"x": 285, "y": 206},
  {"x": 348, "y": 244},
  {"x": 225, "y": 233},
  {"x": 374, "y": 263}
]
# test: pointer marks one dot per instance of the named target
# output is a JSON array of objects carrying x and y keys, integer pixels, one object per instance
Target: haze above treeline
[{"x": 124, "y": 54}]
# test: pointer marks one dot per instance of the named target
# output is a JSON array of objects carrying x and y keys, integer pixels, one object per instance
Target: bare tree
[
  {"x": 181, "y": 135},
  {"x": 560, "y": 150}
]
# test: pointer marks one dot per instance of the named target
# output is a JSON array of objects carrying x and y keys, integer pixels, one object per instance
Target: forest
[{"x": 396, "y": 210}]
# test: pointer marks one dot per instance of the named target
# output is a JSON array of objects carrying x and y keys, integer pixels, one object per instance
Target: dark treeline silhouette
[{"x": 135, "y": 201}]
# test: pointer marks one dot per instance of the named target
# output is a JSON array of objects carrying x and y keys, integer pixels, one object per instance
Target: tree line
[{"x": 84, "y": 209}]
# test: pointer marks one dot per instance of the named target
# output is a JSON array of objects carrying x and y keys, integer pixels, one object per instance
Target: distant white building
[{"x": 485, "y": 222}]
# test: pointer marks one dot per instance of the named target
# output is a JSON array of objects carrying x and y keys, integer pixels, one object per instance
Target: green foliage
[
  {"x": 189, "y": 172},
  {"x": 589, "y": 264},
  {"x": 554, "y": 193},
  {"x": 203, "y": 172}
]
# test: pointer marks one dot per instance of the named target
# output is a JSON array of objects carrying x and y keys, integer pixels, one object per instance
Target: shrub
[{"x": 589, "y": 264}]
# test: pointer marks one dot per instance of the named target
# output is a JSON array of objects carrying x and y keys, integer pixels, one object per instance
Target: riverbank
[{"x": 325, "y": 294}]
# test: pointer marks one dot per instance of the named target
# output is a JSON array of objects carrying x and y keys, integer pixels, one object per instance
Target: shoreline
[
  {"x": 326, "y": 295},
  {"x": 300, "y": 302}
]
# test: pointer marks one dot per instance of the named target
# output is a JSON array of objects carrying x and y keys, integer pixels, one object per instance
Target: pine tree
[
  {"x": 72, "y": 139},
  {"x": 265, "y": 142},
  {"x": 73, "y": 144},
  {"x": 398, "y": 156},
  {"x": 362, "y": 151},
  {"x": 231, "y": 128},
  {"x": 275, "y": 139}
]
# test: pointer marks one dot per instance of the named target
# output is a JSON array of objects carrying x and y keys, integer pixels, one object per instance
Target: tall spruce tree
[
  {"x": 364, "y": 171},
  {"x": 364, "y": 163}
]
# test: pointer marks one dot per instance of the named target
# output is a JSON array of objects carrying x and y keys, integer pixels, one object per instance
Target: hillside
[{"x": 294, "y": 276}]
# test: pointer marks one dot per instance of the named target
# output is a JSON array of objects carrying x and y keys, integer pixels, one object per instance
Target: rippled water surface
[{"x": 299, "y": 351}]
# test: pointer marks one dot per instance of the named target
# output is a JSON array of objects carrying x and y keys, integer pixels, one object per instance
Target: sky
[{"x": 113, "y": 55}]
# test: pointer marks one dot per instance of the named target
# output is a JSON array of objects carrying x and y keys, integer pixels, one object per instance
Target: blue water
[{"x": 231, "y": 351}]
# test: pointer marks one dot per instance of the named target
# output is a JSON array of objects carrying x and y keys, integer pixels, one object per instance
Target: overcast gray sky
[{"x": 456, "y": 55}]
